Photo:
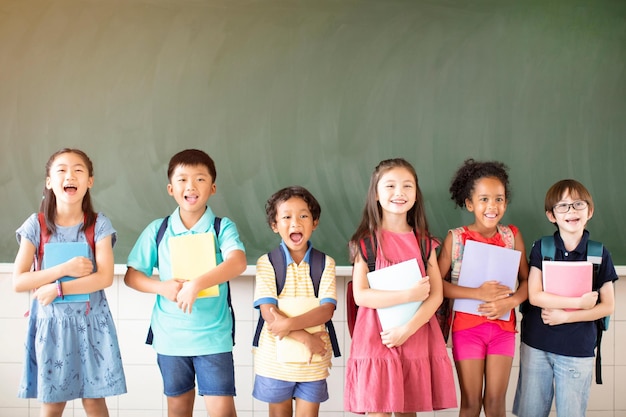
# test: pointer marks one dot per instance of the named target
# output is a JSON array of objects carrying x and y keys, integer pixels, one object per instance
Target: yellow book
[
  {"x": 287, "y": 348},
  {"x": 191, "y": 256}
]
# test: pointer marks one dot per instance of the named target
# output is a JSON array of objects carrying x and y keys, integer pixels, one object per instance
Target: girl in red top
[{"x": 483, "y": 346}]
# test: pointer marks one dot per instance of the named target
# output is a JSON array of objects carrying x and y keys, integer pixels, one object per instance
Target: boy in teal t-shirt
[{"x": 192, "y": 336}]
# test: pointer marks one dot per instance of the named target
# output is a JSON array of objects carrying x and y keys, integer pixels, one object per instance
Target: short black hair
[
  {"x": 285, "y": 194},
  {"x": 191, "y": 157}
]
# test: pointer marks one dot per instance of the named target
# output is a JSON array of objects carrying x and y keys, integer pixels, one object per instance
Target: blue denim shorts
[
  {"x": 215, "y": 374},
  {"x": 272, "y": 390}
]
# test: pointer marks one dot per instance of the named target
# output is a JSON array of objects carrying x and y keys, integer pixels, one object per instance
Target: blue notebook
[{"x": 59, "y": 252}]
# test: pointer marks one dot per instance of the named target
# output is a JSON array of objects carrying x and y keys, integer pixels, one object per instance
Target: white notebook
[
  {"x": 483, "y": 262},
  {"x": 400, "y": 276}
]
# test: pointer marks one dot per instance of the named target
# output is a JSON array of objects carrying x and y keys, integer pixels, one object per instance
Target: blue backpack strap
[
  {"x": 159, "y": 238},
  {"x": 217, "y": 224},
  {"x": 317, "y": 264},
  {"x": 278, "y": 260}
]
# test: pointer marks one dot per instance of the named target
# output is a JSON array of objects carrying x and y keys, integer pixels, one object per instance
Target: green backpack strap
[
  {"x": 594, "y": 253},
  {"x": 547, "y": 248}
]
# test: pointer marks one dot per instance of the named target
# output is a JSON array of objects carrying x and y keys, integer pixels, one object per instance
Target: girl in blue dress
[{"x": 71, "y": 348}]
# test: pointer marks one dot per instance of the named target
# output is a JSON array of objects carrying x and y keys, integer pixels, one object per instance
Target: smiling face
[
  {"x": 574, "y": 221},
  {"x": 295, "y": 225},
  {"x": 488, "y": 203},
  {"x": 69, "y": 178},
  {"x": 191, "y": 186},
  {"x": 396, "y": 191}
]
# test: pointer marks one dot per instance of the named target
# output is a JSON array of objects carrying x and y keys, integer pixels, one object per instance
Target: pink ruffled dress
[{"x": 414, "y": 377}]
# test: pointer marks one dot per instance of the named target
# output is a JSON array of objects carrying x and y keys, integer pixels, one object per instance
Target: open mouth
[
  {"x": 70, "y": 189},
  {"x": 191, "y": 198},
  {"x": 296, "y": 237}
]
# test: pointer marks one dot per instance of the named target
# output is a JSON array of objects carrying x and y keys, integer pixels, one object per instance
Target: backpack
[
  {"x": 368, "y": 253},
  {"x": 594, "y": 255},
  {"x": 216, "y": 226},
  {"x": 317, "y": 262}
]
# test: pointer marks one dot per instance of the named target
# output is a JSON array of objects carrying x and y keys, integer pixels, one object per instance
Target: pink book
[{"x": 569, "y": 279}]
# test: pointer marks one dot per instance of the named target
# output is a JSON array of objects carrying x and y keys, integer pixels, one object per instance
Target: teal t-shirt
[{"x": 207, "y": 330}]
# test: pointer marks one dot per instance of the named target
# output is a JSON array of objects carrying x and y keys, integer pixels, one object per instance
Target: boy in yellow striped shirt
[{"x": 293, "y": 213}]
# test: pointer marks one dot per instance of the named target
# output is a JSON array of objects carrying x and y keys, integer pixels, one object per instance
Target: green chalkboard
[{"x": 316, "y": 93}]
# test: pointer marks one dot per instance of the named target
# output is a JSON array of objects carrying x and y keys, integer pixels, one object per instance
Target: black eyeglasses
[{"x": 564, "y": 207}]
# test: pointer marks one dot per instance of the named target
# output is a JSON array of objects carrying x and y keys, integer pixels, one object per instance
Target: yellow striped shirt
[{"x": 298, "y": 283}]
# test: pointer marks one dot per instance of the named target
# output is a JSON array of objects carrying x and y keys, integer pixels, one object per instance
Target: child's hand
[
  {"x": 46, "y": 293},
  {"x": 170, "y": 288},
  {"x": 421, "y": 290},
  {"x": 496, "y": 309},
  {"x": 316, "y": 344},
  {"x": 187, "y": 296},
  {"x": 588, "y": 300},
  {"x": 553, "y": 316},
  {"x": 280, "y": 326},
  {"x": 396, "y": 336},
  {"x": 77, "y": 267},
  {"x": 492, "y": 291}
]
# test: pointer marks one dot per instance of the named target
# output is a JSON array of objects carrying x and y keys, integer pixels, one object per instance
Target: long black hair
[{"x": 49, "y": 201}]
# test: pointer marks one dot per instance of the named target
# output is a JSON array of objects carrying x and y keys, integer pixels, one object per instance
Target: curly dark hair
[
  {"x": 465, "y": 178},
  {"x": 285, "y": 194}
]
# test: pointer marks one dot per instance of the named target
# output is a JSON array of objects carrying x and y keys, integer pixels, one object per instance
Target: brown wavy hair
[{"x": 371, "y": 220}]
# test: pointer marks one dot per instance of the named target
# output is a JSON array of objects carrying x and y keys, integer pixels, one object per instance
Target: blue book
[{"x": 56, "y": 253}]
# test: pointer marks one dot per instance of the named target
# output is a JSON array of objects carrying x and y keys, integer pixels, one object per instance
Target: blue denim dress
[{"x": 71, "y": 349}]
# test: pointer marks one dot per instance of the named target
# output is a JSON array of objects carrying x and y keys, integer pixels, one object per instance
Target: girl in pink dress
[{"x": 405, "y": 369}]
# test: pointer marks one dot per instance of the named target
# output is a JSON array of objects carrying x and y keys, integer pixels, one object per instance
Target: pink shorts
[{"x": 480, "y": 341}]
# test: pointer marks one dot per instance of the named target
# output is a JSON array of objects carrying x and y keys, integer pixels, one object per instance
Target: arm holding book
[
  {"x": 279, "y": 324},
  {"x": 538, "y": 297},
  {"x": 25, "y": 279},
  {"x": 489, "y": 290},
  {"x": 101, "y": 278},
  {"x": 605, "y": 307},
  {"x": 501, "y": 305},
  {"x": 366, "y": 296},
  {"x": 234, "y": 265},
  {"x": 396, "y": 336}
]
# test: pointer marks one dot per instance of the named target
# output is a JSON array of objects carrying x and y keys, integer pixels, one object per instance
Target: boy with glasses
[{"x": 559, "y": 333}]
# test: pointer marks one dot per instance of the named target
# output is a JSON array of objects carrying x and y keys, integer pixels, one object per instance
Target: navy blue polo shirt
[{"x": 570, "y": 339}]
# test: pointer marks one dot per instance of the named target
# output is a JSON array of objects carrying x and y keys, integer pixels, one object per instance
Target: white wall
[{"x": 131, "y": 311}]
